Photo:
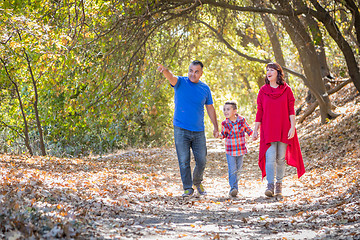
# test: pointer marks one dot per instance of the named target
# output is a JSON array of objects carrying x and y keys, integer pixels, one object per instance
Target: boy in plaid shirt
[{"x": 233, "y": 130}]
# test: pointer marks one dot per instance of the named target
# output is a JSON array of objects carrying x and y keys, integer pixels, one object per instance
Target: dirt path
[
  {"x": 136, "y": 194},
  {"x": 165, "y": 215}
]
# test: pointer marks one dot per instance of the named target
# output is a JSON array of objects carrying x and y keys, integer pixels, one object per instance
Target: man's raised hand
[
  {"x": 167, "y": 74},
  {"x": 161, "y": 68}
]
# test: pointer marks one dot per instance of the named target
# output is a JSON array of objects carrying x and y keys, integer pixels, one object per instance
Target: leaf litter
[{"x": 136, "y": 194}]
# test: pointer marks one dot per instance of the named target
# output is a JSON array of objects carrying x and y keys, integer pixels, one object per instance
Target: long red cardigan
[{"x": 274, "y": 106}]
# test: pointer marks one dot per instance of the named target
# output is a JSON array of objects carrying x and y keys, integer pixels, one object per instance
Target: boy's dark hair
[
  {"x": 232, "y": 103},
  {"x": 197, "y": 62}
]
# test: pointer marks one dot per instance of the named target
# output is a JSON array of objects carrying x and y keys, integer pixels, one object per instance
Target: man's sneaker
[
  {"x": 201, "y": 190},
  {"x": 233, "y": 192},
  {"x": 188, "y": 192},
  {"x": 270, "y": 190}
]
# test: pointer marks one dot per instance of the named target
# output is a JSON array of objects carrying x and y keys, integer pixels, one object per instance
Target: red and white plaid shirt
[{"x": 234, "y": 134}]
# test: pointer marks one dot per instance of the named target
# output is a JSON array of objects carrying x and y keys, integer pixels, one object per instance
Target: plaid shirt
[{"x": 234, "y": 132}]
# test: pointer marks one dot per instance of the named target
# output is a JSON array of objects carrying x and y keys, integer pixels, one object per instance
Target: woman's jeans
[
  {"x": 275, "y": 159},
  {"x": 184, "y": 140},
  {"x": 235, "y": 164}
]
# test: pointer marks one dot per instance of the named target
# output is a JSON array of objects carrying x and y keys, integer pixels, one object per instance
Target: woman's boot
[
  {"x": 270, "y": 190},
  {"x": 278, "y": 189}
]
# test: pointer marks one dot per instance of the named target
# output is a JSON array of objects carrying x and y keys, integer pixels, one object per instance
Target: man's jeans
[
  {"x": 275, "y": 159},
  {"x": 184, "y": 140},
  {"x": 235, "y": 164}
]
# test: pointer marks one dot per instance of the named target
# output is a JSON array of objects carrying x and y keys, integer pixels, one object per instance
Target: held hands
[
  {"x": 255, "y": 135},
  {"x": 216, "y": 133},
  {"x": 291, "y": 134}
]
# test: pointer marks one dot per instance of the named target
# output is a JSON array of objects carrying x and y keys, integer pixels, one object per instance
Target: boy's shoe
[
  {"x": 270, "y": 190},
  {"x": 200, "y": 188},
  {"x": 233, "y": 192},
  {"x": 278, "y": 189},
  {"x": 188, "y": 192}
]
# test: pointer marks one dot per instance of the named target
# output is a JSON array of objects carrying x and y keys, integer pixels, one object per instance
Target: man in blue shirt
[{"x": 191, "y": 95}]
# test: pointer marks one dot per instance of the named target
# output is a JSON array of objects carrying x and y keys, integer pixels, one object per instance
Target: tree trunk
[
  {"x": 313, "y": 106},
  {"x": 275, "y": 43},
  {"x": 322, "y": 15},
  {"x": 260, "y": 81},
  {"x": 320, "y": 48},
  {"x": 308, "y": 58},
  {"x": 317, "y": 39},
  {"x": 38, "y": 123},
  {"x": 247, "y": 84},
  {"x": 26, "y": 128},
  {"x": 351, "y": 5}
]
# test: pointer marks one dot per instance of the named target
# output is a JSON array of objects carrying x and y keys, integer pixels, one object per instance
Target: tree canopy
[{"x": 79, "y": 77}]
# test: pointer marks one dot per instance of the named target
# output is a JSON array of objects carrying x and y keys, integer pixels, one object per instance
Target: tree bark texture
[
  {"x": 317, "y": 37},
  {"x": 308, "y": 58},
  {"x": 275, "y": 43},
  {"x": 351, "y": 5},
  {"x": 322, "y": 15},
  {"x": 38, "y": 123},
  {"x": 26, "y": 128},
  {"x": 271, "y": 31}
]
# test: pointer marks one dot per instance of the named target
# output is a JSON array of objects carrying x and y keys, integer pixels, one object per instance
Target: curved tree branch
[
  {"x": 323, "y": 16},
  {"x": 314, "y": 105},
  {"x": 224, "y": 4},
  {"x": 265, "y": 61}
]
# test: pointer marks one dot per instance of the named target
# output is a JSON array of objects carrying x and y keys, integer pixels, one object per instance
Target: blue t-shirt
[{"x": 190, "y": 99}]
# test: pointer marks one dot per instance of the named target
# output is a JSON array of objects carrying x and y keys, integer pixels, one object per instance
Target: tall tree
[
  {"x": 323, "y": 16},
  {"x": 36, "y": 101},
  {"x": 21, "y": 106},
  {"x": 351, "y": 5},
  {"x": 275, "y": 42}
]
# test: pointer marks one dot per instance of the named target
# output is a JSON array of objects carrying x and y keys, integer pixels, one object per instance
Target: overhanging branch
[
  {"x": 265, "y": 61},
  {"x": 225, "y": 5}
]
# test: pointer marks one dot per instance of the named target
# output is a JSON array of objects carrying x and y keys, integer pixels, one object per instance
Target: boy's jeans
[
  {"x": 275, "y": 159},
  {"x": 235, "y": 164},
  {"x": 184, "y": 140}
]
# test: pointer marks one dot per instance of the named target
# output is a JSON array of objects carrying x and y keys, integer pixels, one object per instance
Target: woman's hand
[
  {"x": 292, "y": 128},
  {"x": 255, "y": 135},
  {"x": 291, "y": 132}
]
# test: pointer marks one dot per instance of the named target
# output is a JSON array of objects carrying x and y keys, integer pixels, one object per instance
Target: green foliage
[
  {"x": 95, "y": 63},
  {"x": 91, "y": 99}
]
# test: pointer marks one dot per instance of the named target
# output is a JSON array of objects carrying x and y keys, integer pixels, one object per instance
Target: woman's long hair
[{"x": 280, "y": 77}]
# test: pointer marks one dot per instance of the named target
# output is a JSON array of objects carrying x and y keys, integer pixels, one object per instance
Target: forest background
[
  {"x": 86, "y": 136},
  {"x": 79, "y": 77}
]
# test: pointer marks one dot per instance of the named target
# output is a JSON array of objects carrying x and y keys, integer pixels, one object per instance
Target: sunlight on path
[
  {"x": 218, "y": 216},
  {"x": 136, "y": 194}
]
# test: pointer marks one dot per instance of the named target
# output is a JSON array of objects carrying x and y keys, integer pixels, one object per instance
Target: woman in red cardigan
[{"x": 278, "y": 139}]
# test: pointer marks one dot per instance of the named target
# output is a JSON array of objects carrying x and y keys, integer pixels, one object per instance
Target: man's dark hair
[{"x": 197, "y": 62}]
